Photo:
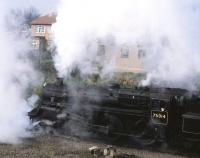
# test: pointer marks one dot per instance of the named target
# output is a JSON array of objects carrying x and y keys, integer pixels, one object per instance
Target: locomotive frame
[{"x": 145, "y": 114}]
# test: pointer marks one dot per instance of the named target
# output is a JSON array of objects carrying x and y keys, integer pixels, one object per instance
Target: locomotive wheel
[
  {"x": 144, "y": 133},
  {"x": 114, "y": 127}
]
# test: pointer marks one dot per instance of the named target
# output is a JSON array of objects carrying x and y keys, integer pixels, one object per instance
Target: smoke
[
  {"x": 16, "y": 75},
  {"x": 167, "y": 30}
]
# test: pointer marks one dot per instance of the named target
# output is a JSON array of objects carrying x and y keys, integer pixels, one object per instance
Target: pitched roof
[{"x": 44, "y": 20}]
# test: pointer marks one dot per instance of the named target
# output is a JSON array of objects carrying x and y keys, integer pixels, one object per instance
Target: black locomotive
[{"x": 145, "y": 114}]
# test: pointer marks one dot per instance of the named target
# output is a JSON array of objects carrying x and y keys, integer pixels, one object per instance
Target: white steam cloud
[
  {"x": 168, "y": 31},
  {"x": 16, "y": 75}
]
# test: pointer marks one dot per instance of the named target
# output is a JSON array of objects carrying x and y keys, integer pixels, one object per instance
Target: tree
[
  {"x": 29, "y": 15},
  {"x": 18, "y": 20}
]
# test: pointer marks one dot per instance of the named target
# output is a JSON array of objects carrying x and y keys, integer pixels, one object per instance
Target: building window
[
  {"x": 124, "y": 52},
  {"x": 34, "y": 44},
  {"x": 141, "y": 53},
  {"x": 40, "y": 29},
  {"x": 101, "y": 50}
]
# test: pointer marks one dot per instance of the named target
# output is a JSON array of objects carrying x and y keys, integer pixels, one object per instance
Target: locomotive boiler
[{"x": 145, "y": 114}]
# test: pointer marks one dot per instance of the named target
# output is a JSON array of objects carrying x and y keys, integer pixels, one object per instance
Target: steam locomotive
[{"x": 145, "y": 114}]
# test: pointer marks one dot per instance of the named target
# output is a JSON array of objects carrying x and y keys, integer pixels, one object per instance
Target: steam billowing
[
  {"x": 167, "y": 30},
  {"x": 16, "y": 74}
]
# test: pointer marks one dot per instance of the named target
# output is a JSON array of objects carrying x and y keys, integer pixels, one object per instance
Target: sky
[{"x": 43, "y": 6}]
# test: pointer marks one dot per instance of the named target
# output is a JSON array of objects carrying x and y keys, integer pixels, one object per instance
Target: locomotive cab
[{"x": 191, "y": 118}]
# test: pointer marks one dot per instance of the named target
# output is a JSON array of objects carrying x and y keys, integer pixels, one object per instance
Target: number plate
[{"x": 159, "y": 117}]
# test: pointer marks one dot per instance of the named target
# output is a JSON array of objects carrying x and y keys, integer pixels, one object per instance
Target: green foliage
[
  {"x": 125, "y": 79},
  {"x": 38, "y": 89},
  {"x": 18, "y": 20},
  {"x": 47, "y": 66},
  {"x": 128, "y": 79},
  {"x": 44, "y": 60}
]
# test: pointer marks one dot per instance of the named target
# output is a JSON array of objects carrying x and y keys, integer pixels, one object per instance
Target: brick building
[
  {"x": 41, "y": 30},
  {"x": 126, "y": 58}
]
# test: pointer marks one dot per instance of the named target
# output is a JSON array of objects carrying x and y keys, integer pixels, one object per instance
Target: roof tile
[{"x": 45, "y": 20}]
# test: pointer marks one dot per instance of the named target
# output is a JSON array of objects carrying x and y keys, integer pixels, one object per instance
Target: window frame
[
  {"x": 141, "y": 53},
  {"x": 125, "y": 51},
  {"x": 101, "y": 50},
  {"x": 39, "y": 28}
]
